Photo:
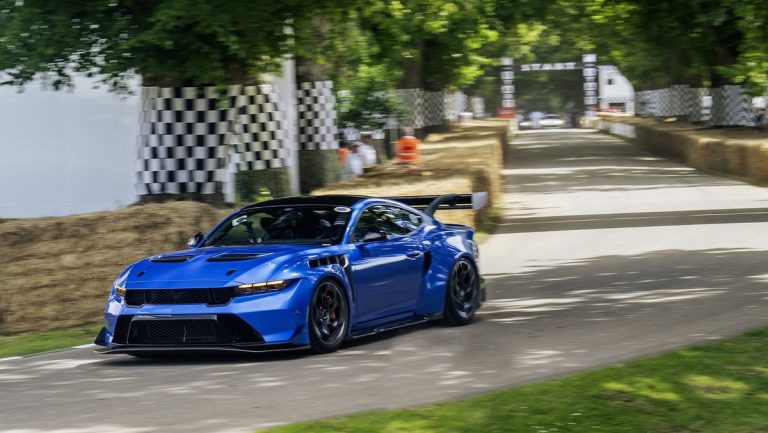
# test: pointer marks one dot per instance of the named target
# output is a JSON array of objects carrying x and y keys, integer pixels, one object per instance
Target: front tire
[
  {"x": 328, "y": 317},
  {"x": 462, "y": 294}
]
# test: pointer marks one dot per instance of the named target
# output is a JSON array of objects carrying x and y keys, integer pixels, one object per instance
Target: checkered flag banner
[
  {"x": 725, "y": 106},
  {"x": 186, "y": 134},
  {"x": 731, "y": 107},
  {"x": 449, "y": 110},
  {"x": 701, "y": 105},
  {"x": 259, "y": 133},
  {"x": 411, "y": 101},
  {"x": 478, "y": 107},
  {"x": 422, "y": 108},
  {"x": 317, "y": 116},
  {"x": 432, "y": 106}
]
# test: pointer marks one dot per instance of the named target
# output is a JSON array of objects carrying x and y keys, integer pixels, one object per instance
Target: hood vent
[
  {"x": 235, "y": 257},
  {"x": 171, "y": 259}
]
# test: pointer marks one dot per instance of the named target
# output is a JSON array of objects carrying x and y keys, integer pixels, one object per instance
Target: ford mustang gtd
[{"x": 300, "y": 272}]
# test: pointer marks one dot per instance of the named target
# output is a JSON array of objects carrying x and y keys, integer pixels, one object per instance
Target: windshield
[{"x": 282, "y": 225}]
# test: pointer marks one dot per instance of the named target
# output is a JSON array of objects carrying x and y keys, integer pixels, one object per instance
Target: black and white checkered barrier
[
  {"x": 433, "y": 108},
  {"x": 409, "y": 99},
  {"x": 731, "y": 107},
  {"x": 701, "y": 109},
  {"x": 187, "y": 133},
  {"x": 422, "y": 108},
  {"x": 726, "y": 106},
  {"x": 478, "y": 107},
  {"x": 260, "y": 130},
  {"x": 452, "y": 104},
  {"x": 317, "y": 116}
]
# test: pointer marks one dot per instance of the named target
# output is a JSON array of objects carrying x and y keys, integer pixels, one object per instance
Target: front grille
[
  {"x": 192, "y": 331},
  {"x": 220, "y": 329},
  {"x": 217, "y": 296}
]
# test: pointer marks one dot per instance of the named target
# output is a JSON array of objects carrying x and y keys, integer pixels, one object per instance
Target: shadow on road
[
  {"x": 679, "y": 285},
  {"x": 638, "y": 219},
  {"x": 223, "y": 358}
]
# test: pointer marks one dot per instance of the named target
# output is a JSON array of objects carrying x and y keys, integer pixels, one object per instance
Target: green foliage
[
  {"x": 655, "y": 44},
  {"x": 171, "y": 42},
  {"x": 717, "y": 388},
  {"x": 362, "y": 74},
  {"x": 369, "y": 47},
  {"x": 256, "y": 185},
  {"x": 447, "y": 39}
]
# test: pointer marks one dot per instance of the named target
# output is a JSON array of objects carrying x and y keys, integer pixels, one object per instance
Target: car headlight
[
  {"x": 120, "y": 290},
  {"x": 269, "y": 286}
]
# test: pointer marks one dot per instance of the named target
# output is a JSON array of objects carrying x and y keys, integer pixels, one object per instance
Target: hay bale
[
  {"x": 58, "y": 271},
  {"x": 468, "y": 159}
]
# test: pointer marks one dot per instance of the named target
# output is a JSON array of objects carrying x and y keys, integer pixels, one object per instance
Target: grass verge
[
  {"x": 43, "y": 341},
  {"x": 714, "y": 388},
  {"x": 487, "y": 228}
]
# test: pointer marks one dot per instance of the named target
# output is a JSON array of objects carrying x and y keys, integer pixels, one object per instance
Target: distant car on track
[
  {"x": 552, "y": 121},
  {"x": 547, "y": 121},
  {"x": 300, "y": 272}
]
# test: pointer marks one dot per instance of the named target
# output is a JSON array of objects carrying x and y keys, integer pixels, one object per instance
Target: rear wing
[{"x": 430, "y": 204}]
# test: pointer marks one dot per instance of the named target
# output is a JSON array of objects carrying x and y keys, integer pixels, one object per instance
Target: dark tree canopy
[
  {"x": 380, "y": 44},
  {"x": 169, "y": 42}
]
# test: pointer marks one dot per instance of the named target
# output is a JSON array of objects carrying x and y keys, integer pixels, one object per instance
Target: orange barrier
[{"x": 408, "y": 150}]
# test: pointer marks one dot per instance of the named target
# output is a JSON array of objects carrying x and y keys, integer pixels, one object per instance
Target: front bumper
[
  {"x": 272, "y": 321},
  {"x": 146, "y": 333}
]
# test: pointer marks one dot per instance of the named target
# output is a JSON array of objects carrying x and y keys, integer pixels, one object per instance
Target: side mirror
[
  {"x": 374, "y": 237},
  {"x": 194, "y": 240}
]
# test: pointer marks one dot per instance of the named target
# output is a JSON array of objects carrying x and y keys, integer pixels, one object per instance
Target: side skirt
[{"x": 396, "y": 325}]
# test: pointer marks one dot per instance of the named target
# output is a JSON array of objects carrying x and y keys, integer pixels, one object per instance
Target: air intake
[
  {"x": 234, "y": 257},
  {"x": 171, "y": 259}
]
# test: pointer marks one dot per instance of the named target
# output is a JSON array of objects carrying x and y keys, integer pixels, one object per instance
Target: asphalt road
[{"x": 605, "y": 253}]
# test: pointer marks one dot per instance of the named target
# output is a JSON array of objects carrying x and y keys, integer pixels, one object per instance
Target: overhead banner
[
  {"x": 588, "y": 65},
  {"x": 567, "y": 66}
]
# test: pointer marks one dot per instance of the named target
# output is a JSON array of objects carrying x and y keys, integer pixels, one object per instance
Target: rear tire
[
  {"x": 328, "y": 317},
  {"x": 462, "y": 294}
]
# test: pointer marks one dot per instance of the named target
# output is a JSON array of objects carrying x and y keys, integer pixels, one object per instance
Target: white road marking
[{"x": 84, "y": 346}]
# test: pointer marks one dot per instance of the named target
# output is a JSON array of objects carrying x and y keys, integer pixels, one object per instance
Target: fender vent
[
  {"x": 427, "y": 261},
  {"x": 234, "y": 257},
  {"x": 328, "y": 260},
  {"x": 171, "y": 259}
]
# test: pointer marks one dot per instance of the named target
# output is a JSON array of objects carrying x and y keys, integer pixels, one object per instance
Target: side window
[
  {"x": 411, "y": 220},
  {"x": 384, "y": 219}
]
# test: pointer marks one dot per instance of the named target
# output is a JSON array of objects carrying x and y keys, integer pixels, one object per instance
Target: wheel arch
[{"x": 346, "y": 290}]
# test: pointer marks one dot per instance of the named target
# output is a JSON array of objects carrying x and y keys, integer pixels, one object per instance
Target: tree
[
  {"x": 169, "y": 43},
  {"x": 433, "y": 43},
  {"x": 696, "y": 42}
]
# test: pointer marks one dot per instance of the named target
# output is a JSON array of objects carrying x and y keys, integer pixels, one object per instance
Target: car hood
[{"x": 211, "y": 266}]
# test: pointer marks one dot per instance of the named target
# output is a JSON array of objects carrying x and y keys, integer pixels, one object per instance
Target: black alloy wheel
[
  {"x": 328, "y": 317},
  {"x": 462, "y": 294}
]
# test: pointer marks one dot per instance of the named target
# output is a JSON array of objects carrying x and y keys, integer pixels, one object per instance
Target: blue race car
[{"x": 300, "y": 272}]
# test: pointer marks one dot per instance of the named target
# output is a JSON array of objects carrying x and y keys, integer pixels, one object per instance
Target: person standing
[
  {"x": 351, "y": 163},
  {"x": 365, "y": 149}
]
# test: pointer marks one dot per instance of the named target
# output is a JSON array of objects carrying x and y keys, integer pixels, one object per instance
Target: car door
[{"x": 386, "y": 270}]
